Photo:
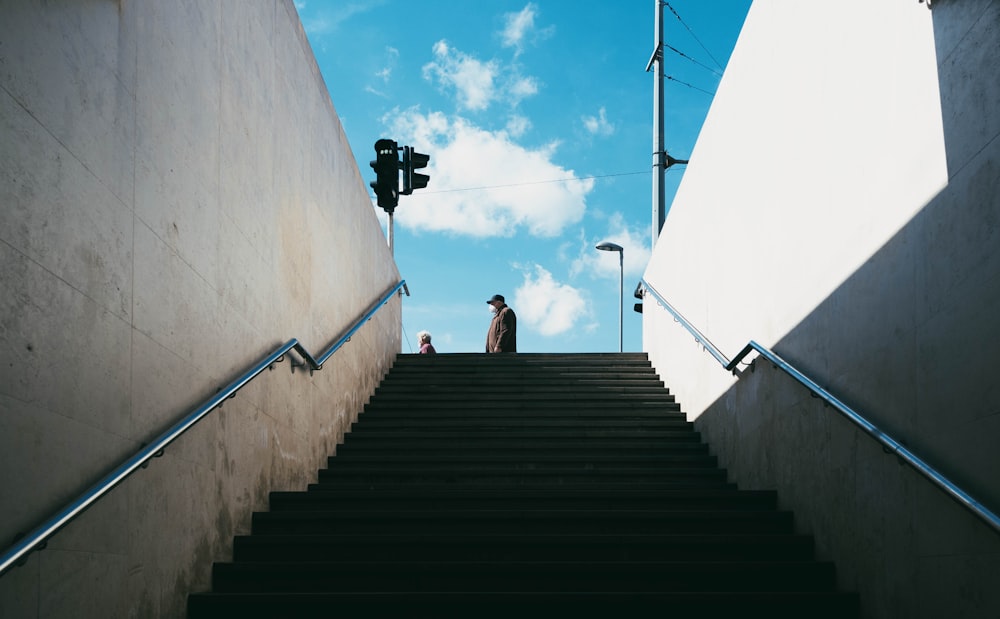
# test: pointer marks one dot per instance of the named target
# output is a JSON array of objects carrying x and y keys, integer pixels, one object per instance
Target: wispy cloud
[
  {"x": 549, "y": 307},
  {"x": 478, "y": 83},
  {"x": 518, "y": 125},
  {"x": 384, "y": 74},
  {"x": 516, "y": 25},
  {"x": 520, "y": 27},
  {"x": 325, "y": 20},
  {"x": 598, "y": 125},
  {"x": 391, "y": 60},
  {"x": 473, "y": 79},
  {"x": 484, "y": 184},
  {"x": 521, "y": 88}
]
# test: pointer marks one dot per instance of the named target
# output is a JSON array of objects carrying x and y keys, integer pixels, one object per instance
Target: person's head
[
  {"x": 496, "y": 302},
  {"x": 424, "y": 337}
]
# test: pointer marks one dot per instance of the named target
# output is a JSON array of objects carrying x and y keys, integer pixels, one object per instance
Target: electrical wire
[
  {"x": 674, "y": 79},
  {"x": 555, "y": 180},
  {"x": 683, "y": 55},
  {"x": 667, "y": 4}
]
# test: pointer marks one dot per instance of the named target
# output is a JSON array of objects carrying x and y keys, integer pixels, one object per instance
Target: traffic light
[
  {"x": 412, "y": 160},
  {"x": 386, "y": 166}
]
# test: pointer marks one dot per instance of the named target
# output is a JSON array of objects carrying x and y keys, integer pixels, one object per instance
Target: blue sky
[{"x": 537, "y": 117}]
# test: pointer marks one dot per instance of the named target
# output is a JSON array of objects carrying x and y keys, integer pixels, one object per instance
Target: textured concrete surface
[
  {"x": 177, "y": 199},
  {"x": 856, "y": 235}
]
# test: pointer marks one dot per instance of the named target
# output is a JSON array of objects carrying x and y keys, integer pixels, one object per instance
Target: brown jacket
[{"x": 502, "y": 336}]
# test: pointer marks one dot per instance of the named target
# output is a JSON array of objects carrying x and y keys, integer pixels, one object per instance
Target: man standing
[{"x": 502, "y": 336}]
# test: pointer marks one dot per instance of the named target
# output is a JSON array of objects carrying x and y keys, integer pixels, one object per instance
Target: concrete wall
[
  {"x": 842, "y": 206},
  {"x": 177, "y": 199}
]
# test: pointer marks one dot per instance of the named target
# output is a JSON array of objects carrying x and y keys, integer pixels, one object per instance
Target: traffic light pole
[{"x": 391, "y": 253}]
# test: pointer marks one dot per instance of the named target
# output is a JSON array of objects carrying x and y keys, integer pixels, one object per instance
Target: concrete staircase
[{"x": 494, "y": 485}]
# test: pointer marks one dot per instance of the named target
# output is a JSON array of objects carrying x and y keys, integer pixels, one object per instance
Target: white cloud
[
  {"x": 326, "y": 20},
  {"x": 604, "y": 264},
  {"x": 522, "y": 88},
  {"x": 478, "y": 83},
  {"x": 517, "y": 125},
  {"x": 598, "y": 125},
  {"x": 483, "y": 183},
  {"x": 474, "y": 80},
  {"x": 392, "y": 58},
  {"x": 549, "y": 307},
  {"x": 519, "y": 26}
]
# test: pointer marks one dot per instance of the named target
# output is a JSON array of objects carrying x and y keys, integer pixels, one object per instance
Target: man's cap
[{"x": 496, "y": 297}]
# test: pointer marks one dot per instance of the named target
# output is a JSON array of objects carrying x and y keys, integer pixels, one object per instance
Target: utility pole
[
  {"x": 659, "y": 152},
  {"x": 661, "y": 159}
]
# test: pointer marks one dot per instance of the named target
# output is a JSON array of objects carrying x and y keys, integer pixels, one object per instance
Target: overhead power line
[
  {"x": 683, "y": 55},
  {"x": 674, "y": 79},
  {"x": 667, "y": 4},
  {"x": 555, "y": 180}
]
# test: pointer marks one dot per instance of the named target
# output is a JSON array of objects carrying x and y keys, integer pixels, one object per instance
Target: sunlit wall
[{"x": 840, "y": 207}]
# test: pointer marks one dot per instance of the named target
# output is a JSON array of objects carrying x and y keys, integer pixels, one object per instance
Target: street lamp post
[{"x": 607, "y": 246}]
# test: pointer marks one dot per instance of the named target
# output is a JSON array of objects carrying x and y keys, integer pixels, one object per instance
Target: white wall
[
  {"x": 840, "y": 207},
  {"x": 177, "y": 199},
  {"x": 822, "y": 142}
]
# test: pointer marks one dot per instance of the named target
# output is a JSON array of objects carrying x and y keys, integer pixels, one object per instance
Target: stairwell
[{"x": 489, "y": 485}]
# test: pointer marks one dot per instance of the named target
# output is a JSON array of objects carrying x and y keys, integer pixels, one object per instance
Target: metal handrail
[
  {"x": 889, "y": 445},
  {"x": 37, "y": 538}
]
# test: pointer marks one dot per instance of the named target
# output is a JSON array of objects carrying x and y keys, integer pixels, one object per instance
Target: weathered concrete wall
[
  {"x": 842, "y": 208},
  {"x": 177, "y": 199}
]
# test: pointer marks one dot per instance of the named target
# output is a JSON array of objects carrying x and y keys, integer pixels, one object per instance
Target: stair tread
[
  {"x": 565, "y": 576},
  {"x": 610, "y": 491},
  {"x": 565, "y": 517},
  {"x": 583, "y": 566},
  {"x": 544, "y": 458}
]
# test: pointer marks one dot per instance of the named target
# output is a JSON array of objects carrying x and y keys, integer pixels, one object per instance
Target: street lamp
[{"x": 606, "y": 246}]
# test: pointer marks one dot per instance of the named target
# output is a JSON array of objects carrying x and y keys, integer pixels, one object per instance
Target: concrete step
[
  {"x": 391, "y": 546},
  {"x": 476, "y": 475},
  {"x": 501, "y": 423},
  {"x": 495, "y": 448},
  {"x": 585, "y": 407},
  {"x": 539, "y": 460},
  {"x": 607, "y": 497},
  {"x": 578, "y": 576},
  {"x": 521, "y": 521},
  {"x": 506, "y": 604}
]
